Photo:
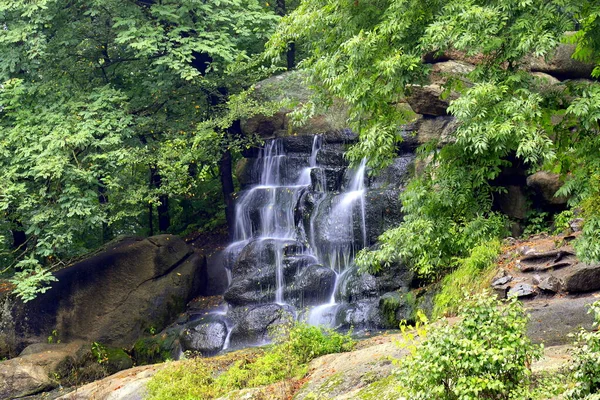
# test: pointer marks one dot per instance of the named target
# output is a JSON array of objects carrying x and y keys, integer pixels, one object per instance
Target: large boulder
[
  {"x": 206, "y": 336},
  {"x": 291, "y": 88},
  {"x": 560, "y": 64},
  {"x": 580, "y": 278},
  {"x": 546, "y": 184},
  {"x": 429, "y": 99},
  {"x": 439, "y": 129},
  {"x": 133, "y": 286},
  {"x": 255, "y": 323}
]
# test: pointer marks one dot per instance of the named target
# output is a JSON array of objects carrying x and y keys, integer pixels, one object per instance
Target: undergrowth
[
  {"x": 295, "y": 345},
  {"x": 472, "y": 275}
]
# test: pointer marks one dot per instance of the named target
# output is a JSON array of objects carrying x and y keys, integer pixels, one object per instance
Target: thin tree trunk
[
  {"x": 164, "y": 220},
  {"x": 225, "y": 169}
]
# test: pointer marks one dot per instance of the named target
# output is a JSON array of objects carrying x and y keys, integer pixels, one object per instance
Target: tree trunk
[
  {"x": 103, "y": 199},
  {"x": 280, "y": 9},
  {"x": 164, "y": 220},
  {"x": 19, "y": 236}
]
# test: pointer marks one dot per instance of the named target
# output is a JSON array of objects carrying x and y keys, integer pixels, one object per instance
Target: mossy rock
[
  {"x": 398, "y": 306},
  {"x": 157, "y": 348}
]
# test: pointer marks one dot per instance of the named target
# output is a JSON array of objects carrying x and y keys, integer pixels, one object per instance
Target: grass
[{"x": 296, "y": 344}]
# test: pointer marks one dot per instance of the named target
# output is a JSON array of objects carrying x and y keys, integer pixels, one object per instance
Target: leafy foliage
[
  {"x": 110, "y": 109},
  {"x": 505, "y": 116},
  {"x": 485, "y": 355},
  {"x": 472, "y": 275},
  {"x": 585, "y": 366}
]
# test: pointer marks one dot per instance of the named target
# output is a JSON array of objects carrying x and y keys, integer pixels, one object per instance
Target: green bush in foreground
[
  {"x": 586, "y": 362},
  {"x": 295, "y": 345},
  {"x": 486, "y": 355}
]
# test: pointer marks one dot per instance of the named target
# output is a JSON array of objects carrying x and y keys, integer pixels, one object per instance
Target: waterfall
[{"x": 270, "y": 234}]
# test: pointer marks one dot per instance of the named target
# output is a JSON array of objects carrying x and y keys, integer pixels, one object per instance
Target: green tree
[{"x": 112, "y": 110}]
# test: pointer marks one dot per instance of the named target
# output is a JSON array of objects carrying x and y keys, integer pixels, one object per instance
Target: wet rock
[
  {"x": 248, "y": 291},
  {"x": 357, "y": 286},
  {"x": 327, "y": 179},
  {"x": 254, "y": 322},
  {"x": 257, "y": 255},
  {"x": 206, "y": 336},
  {"x": 546, "y": 185},
  {"x": 314, "y": 285},
  {"x": 340, "y": 136},
  {"x": 580, "y": 278},
  {"x": 360, "y": 315},
  {"x": 298, "y": 144},
  {"x": 395, "y": 307},
  {"x": 383, "y": 210},
  {"x": 331, "y": 156},
  {"x": 395, "y": 176},
  {"x": 521, "y": 290}
]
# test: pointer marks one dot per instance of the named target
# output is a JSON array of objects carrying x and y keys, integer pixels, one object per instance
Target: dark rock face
[
  {"x": 427, "y": 100},
  {"x": 114, "y": 296},
  {"x": 313, "y": 286},
  {"x": 206, "y": 336},
  {"x": 358, "y": 286}
]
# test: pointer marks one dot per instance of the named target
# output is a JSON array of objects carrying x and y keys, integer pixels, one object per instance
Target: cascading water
[{"x": 278, "y": 254}]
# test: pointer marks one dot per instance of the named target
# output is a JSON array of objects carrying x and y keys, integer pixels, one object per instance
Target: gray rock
[
  {"x": 204, "y": 336},
  {"x": 549, "y": 284},
  {"x": 560, "y": 64},
  {"x": 427, "y": 99},
  {"x": 254, "y": 322},
  {"x": 551, "y": 321},
  {"x": 441, "y": 129},
  {"x": 580, "y": 278},
  {"x": 521, "y": 290},
  {"x": 546, "y": 184},
  {"x": 502, "y": 281},
  {"x": 314, "y": 285}
]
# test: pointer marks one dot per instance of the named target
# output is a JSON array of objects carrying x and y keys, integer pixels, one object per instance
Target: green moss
[
  {"x": 382, "y": 389},
  {"x": 397, "y": 306},
  {"x": 157, "y": 348}
]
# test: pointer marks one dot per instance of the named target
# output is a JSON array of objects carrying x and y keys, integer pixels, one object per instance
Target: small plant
[
  {"x": 486, "y": 355},
  {"x": 536, "y": 222},
  {"x": 99, "y": 352},
  {"x": 53, "y": 338}
]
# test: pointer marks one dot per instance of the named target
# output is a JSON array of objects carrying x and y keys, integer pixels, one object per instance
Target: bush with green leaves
[
  {"x": 472, "y": 275},
  {"x": 585, "y": 366},
  {"x": 295, "y": 344},
  {"x": 485, "y": 355}
]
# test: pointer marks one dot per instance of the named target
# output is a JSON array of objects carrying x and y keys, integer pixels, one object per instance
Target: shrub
[
  {"x": 472, "y": 275},
  {"x": 486, "y": 355},
  {"x": 585, "y": 367}
]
